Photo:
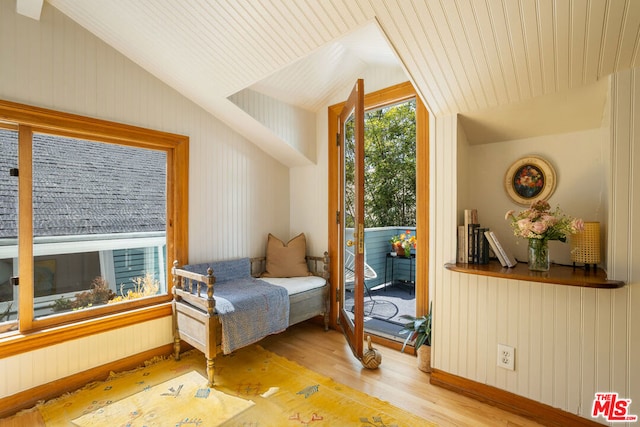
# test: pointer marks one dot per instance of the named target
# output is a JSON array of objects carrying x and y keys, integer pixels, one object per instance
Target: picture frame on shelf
[{"x": 529, "y": 179}]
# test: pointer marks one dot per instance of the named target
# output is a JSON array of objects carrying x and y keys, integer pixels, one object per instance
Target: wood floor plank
[{"x": 398, "y": 380}]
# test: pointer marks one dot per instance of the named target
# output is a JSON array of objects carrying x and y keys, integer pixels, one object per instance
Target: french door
[{"x": 351, "y": 221}]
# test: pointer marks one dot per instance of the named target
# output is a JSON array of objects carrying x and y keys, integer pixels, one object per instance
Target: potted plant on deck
[
  {"x": 419, "y": 331},
  {"x": 403, "y": 243}
]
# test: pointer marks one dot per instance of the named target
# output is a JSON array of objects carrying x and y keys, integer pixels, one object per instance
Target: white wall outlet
[{"x": 506, "y": 357}]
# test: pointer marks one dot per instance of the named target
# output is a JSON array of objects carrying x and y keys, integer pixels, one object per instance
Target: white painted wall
[
  {"x": 570, "y": 342},
  {"x": 580, "y": 161},
  {"x": 294, "y": 125},
  {"x": 237, "y": 193},
  {"x": 41, "y": 366}
]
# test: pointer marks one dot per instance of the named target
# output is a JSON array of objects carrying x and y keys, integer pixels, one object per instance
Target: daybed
[{"x": 225, "y": 305}]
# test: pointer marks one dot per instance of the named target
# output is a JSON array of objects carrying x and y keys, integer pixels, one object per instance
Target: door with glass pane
[{"x": 351, "y": 140}]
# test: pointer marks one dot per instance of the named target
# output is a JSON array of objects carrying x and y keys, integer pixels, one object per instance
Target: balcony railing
[{"x": 376, "y": 248}]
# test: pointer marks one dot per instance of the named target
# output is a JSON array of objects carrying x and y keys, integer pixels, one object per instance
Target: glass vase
[
  {"x": 538, "y": 255},
  {"x": 398, "y": 249}
]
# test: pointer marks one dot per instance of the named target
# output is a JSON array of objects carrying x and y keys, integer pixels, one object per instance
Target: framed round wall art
[{"x": 529, "y": 179}]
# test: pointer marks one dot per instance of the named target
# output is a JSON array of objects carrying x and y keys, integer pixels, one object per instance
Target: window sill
[
  {"x": 22, "y": 343},
  {"x": 557, "y": 274}
]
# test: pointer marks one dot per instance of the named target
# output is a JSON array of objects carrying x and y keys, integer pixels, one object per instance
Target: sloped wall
[{"x": 237, "y": 193}]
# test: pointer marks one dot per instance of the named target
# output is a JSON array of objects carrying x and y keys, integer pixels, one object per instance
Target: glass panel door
[{"x": 352, "y": 219}]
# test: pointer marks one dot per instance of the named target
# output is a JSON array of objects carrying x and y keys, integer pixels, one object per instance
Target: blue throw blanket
[{"x": 249, "y": 309}]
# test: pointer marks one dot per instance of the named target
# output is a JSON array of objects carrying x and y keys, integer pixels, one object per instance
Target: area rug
[
  {"x": 182, "y": 401},
  {"x": 283, "y": 393}
]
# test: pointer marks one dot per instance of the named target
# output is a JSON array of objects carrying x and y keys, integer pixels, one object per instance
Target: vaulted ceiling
[{"x": 463, "y": 56}]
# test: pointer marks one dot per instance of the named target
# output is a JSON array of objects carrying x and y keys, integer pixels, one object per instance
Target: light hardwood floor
[{"x": 397, "y": 381}]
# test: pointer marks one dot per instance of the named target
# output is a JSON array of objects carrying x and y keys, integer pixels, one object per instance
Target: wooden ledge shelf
[{"x": 557, "y": 274}]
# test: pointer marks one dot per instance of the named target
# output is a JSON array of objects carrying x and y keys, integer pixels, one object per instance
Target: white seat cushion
[{"x": 296, "y": 285}]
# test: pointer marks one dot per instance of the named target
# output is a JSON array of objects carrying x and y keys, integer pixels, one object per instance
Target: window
[
  {"x": 8, "y": 227},
  {"x": 90, "y": 214}
]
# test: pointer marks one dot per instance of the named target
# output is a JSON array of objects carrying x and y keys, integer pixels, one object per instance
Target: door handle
[{"x": 350, "y": 243}]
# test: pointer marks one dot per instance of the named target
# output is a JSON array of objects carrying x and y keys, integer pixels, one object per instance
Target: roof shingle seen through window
[{"x": 85, "y": 187}]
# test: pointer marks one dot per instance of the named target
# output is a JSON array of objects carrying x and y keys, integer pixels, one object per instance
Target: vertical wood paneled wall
[
  {"x": 624, "y": 242},
  {"x": 570, "y": 342},
  {"x": 44, "y": 365},
  {"x": 293, "y": 125},
  {"x": 238, "y": 194}
]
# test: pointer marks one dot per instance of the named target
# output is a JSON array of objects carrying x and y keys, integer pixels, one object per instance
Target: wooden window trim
[{"x": 45, "y": 332}]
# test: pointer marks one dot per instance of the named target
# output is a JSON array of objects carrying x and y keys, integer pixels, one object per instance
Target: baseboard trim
[
  {"x": 528, "y": 408},
  {"x": 26, "y": 399}
]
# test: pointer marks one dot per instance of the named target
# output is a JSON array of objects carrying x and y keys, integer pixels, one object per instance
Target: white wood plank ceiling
[{"x": 462, "y": 55}]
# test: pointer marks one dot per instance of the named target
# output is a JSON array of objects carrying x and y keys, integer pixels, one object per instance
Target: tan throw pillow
[{"x": 286, "y": 260}]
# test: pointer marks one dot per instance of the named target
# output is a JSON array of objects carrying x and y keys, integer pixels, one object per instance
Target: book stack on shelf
[
  {"x": 475, "y": 243},
  {"x": 505, "y": 258}
]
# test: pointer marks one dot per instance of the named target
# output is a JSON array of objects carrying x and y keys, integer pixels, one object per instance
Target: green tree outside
[{"x": 390, "y": 167}]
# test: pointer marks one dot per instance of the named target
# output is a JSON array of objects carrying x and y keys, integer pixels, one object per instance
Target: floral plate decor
[
  {"x": 403, "y": 243},
  {"x": 539, "y": 224}
]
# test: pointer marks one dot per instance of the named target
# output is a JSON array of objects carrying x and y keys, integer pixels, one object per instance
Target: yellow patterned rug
[
  {"x": 182, "y": 401},
  {"x": 268, "y": 390}
]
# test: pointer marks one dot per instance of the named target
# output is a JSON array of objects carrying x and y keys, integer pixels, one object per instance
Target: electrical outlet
[{"x": 506, "y": 357}]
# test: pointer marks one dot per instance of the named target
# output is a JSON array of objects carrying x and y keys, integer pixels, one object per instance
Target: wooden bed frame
[{"x": 195, "y": 320}]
